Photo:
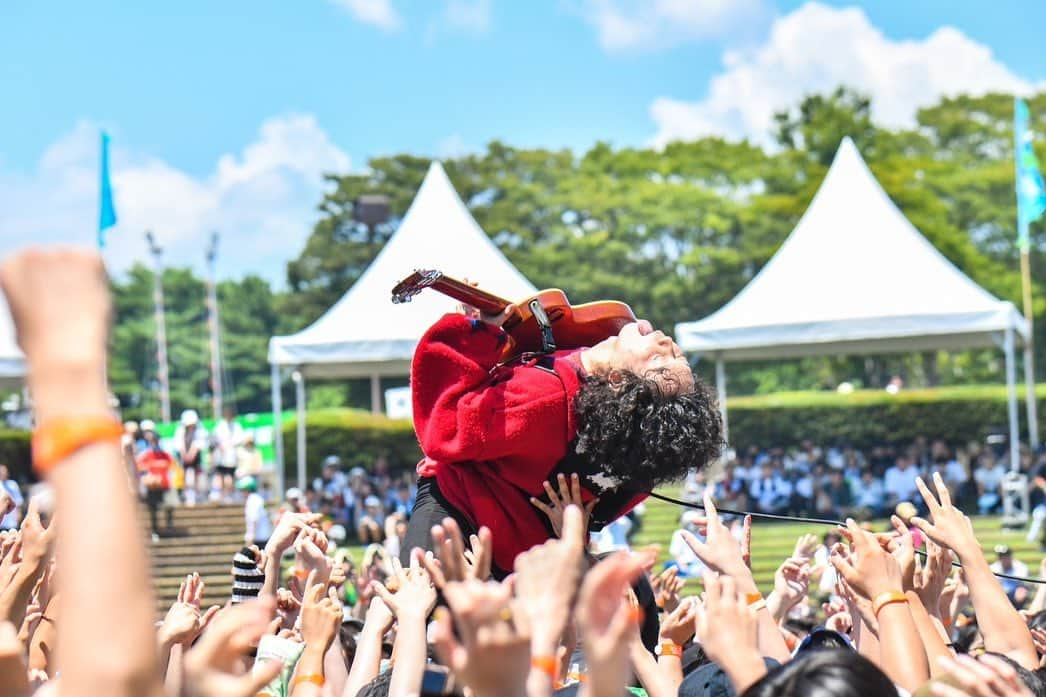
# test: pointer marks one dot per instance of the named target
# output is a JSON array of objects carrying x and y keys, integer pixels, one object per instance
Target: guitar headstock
[{"x": 405, "y": 290}]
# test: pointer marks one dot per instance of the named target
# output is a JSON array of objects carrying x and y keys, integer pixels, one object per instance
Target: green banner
[{"x": 261, "y": 426}]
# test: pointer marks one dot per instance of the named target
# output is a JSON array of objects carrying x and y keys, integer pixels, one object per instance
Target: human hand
[
  {"x": 860, "y": 608},
  {"x": 415, "y": 596},
  {"x": 805, "y": 547},
  {"x": 184, "y": 620},
  {"x": 727, "y": 627},
  {"x": 378, "y": 615},
  {"x": 13, "y": 680},
  {"x": 840, "y": 620},
  {"x": 902, "y": 547},
  {"x": 213, "y": 667},
  {"x": 1038, "y": 637},
  {"x": 679, "y": 625},
  {"x": 667, "y": 586},
  {"x": 950, "y": 527},
  {"x": 791, "y": 581},
  {"x": 955, "y": 595},
  {"x": 606, "y": 621},
  {"x": 287, "y": 530},
  {"x": 989, "y": 676},
  {"x": 493, "y": 652},
  {"x": 7, "y": 502},
  {"x": 59, "y": 300},
  {"x": 871, "y": 570},
  {"x": 558, "y": 502},
  {"x": 546, "y": 581},
  {"x": 37, "y": 540},
  {"x": 453, "y": 562},
  {"x": 932, "y": 575},
  {"x": 310, "y": 554},
  {"x": 320, "y": 615},
  {"x": 720, "y": 551}
]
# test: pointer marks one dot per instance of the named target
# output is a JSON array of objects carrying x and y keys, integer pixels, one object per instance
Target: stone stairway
[{"x": 203, "y": 538}]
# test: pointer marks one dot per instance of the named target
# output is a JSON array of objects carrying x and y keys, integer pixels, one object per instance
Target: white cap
[
  {"x": 371, "y": 501},
  {"x": 147, "y": 425},
  {"x": 190, "y": 417},
  {"x": 293, "y": 493}
]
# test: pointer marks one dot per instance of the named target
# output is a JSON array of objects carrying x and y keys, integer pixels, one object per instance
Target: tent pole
[
  {"x": 375, "y": 393},
  {"x": 277, "y": 426},
  {"x": 720, "y": 387},
  {"x": 1029, "y": 387},
  {"x": 299, "y": 398},
  {"x": 1011, "y": 400}
]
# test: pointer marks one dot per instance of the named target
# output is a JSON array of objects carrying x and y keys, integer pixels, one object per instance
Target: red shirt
[
  {"x": 157, "y": 463},
  {"x": 492, "y": 434}
]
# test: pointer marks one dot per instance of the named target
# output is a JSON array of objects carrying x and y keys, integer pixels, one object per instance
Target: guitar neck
[{"x": 485, "y": 302}]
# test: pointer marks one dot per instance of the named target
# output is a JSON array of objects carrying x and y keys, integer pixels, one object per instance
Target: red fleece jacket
[{"x": 492, "y": 434}]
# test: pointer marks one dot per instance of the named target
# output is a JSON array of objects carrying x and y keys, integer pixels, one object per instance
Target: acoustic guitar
[{"x": 540, "y": 324}]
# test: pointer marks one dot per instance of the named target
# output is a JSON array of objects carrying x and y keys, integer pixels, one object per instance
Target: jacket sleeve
[{"x": 464, "y": 413}]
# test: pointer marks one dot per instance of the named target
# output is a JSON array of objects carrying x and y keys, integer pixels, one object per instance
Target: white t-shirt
[
  {"x": 613, "y": 536},
  {"x": 900, "y": 484},
  {"x": 990, "y": 478},
  {"x": 227, "y": 437},
  {"x": 255, "y": 513},
  {"x": 10, "y": 521}
]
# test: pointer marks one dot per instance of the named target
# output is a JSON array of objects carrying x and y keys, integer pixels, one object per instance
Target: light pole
[
  {"x": 161, "y": 328},
  {"x": 214, "y": 328}
]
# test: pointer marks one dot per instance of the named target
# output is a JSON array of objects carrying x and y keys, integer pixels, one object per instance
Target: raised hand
[
  {"x": 320, "y": 615},
  {"x": 546, "y": 581},
  {"x": 679, "y": 625},
  {"x": 184, "y": 620},
  {"x": 453, "y": 562},
  {"x": 805, "y": 547},
  {"x": 213, "y": 666},
  {"x": 791, "y": 581},
  {"x": 492, "y": 656},
  {"x": 727, "y": 627},
  {"x": 988, "y": 677},
  {"x": 902, "y": 547},
  {"x": 871, "y": 570},
  {"x": 932, "y": 575},
  {"x": 568, "y": 495},
  {"x": 720, "y": 551},
  {"x": 37, "y": 540},
  {"x": 415, "y": 596},
  {"x": 287, "y": 530},
  {"x": 667, "y": 586},
  {"x": 950, "y": 527},
  {"x": 607, "y": 621}
]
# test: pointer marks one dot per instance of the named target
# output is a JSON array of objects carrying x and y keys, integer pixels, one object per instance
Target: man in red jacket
[{"x": 626, "y": 415}]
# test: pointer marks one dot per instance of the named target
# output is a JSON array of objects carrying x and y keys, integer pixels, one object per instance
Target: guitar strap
[{"x": 548, "y": 340}]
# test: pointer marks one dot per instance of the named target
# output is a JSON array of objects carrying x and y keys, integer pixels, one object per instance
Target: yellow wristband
[
  {"x": 60, "y": 437},
  {"x": 887, "y": 598}
]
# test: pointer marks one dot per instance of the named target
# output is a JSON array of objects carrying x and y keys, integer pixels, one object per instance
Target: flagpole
[
  {"x": 1029, "y": 345},
  {"x": 214, "y": 329},
  {"x": 162, "y": 374}
]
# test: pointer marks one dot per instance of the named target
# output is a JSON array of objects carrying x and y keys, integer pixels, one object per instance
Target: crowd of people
[{"x": 77, "y": 604}]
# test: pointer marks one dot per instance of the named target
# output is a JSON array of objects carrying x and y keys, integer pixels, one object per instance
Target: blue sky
[{"x": 223, "y": 115}]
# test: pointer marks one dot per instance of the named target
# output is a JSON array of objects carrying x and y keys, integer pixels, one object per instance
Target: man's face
[
  {"x": 641, "y": 349},
  {"x": 4, "y": 473}
]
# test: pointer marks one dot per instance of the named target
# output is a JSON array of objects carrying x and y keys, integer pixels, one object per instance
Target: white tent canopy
[
  {"x": 12, "y": 362},
  {"x": 855, "y": 276},
  {"x": 364, "y": 334}
]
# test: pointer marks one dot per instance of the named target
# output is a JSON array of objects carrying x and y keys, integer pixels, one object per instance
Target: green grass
[
  {"x": 773, "y": 542},
  {"x": 824, "y": 398}
]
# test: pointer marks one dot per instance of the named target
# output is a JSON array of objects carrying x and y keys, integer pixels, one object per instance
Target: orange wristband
[
  {"x": 547, "y": 665},
  {"x": 60, "y": 437},
  {"x": 753, "y": 598},
  {"x": 314, "y": 678},
  {"x": 887, "y": 598},
  {"x": 669, "y": 648}
]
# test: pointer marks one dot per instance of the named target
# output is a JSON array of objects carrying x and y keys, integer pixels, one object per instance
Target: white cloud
[
  {"x": 262, "y": 200},
  {"x": 652, "y": 24},
  {"x": 817, "y": 48},
  {"x": 453, "y": 146},
  {"x": 379, "y": 13},
  {"x": 472, "y": 16}
]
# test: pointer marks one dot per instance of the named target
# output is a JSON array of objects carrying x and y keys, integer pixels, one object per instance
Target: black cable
[{"x": 816, "y": 521}]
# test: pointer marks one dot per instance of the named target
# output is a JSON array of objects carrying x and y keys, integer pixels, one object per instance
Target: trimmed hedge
[
  {"x": 15, "y": 453},
  {"x": 870, "y": 417},
  {"x": 358, "y": 437}
]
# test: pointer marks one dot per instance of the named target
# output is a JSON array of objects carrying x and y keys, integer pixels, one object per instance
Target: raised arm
[{"x": 60, "y": 304}]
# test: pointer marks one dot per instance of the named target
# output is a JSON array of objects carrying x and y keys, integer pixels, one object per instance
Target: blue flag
[
  {"x": 1031, "y": 192},
  {"x": 107, "y": 212}
]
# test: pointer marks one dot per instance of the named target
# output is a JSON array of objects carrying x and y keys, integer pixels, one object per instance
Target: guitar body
[{"x": 573, "y": 326}]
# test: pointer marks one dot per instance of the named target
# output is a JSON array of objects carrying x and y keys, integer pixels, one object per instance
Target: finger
[
  {"x": 710, "y": 509},
  {"x": 942, "y": 490},
  {"x": 575, "y": 488},
  {"x": 484, "y": 551},
  {"x": 206, "y": 617},
  {"x": 313, "y": 589},
  {"x": 387, "y": 597},
  {"x": 536, "y": 503},
  {"x": 551, "y": 493},
  {"x": 454, "y": 546},
  {"x": 564, "y": 488},
  {"x": 181, "y": 590},
  {"x": 573, "y": 525},
  {"x": 432, "y": 566},
  {"x": 928, "y": 497}
]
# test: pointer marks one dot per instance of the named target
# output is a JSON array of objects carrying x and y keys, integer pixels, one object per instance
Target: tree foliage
[{"x": 674, "y": 232}]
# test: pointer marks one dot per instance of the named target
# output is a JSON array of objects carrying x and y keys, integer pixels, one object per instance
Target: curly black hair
[{"x": 644, "y": 429}]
